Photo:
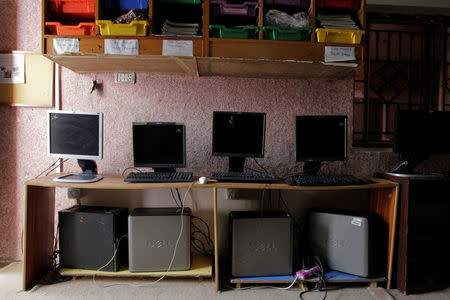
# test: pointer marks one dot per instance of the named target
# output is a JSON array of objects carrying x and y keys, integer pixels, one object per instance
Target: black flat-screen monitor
[
  {"x": 320, "y": 138},
  {"x": 418, "y": 134},
  {"x": 77, "y": 135},
  {"x": 159, "y": 145},
  {"x": 238, "y": 135}
]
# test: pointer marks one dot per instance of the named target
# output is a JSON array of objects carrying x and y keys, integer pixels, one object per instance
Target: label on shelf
[
  {"x": 121, "y": 47},
  {"x": 61, "y": 46},
  {"x": 177, "y": 48},
  {"x": 12, "y": 68},
  {"x": 339, "y": 54}
]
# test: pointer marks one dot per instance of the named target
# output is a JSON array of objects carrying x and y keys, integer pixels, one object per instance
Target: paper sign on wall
[
  {"x": 177, "y": 48},
  {"x": 12, "y": 68},
  {"x": 61, "y": 46},
  {"x": 121, "y": 47},
  {"x": 339, "y": 54}
]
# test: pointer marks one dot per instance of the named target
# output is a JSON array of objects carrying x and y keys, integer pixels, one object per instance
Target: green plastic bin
[
  {"x": 244, "y": 32},
  {"x": 278, "y": 34}
]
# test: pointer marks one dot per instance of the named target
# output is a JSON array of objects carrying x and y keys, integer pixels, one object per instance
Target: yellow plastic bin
[
  {"x": 135, "y": 28},
  {"x": 339, "y": 36}
]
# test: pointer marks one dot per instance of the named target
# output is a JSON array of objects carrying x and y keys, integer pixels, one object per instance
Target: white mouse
[{"x": 203, "y": 180}]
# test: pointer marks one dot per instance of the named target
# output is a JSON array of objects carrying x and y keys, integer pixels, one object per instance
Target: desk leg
[
  {"x": 383, "y": 202},
  {"x": 216, "y": 244},
  {"x": 38, "y": 232}
]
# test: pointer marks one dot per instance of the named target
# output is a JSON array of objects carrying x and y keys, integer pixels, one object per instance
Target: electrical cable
[
  {"x": 174, "y": 199},
  {"x": 136, "y": 169},
  {"x": 259, "y": 165},
  {"x": 63, "y": 161},
  {"x": 174, "y": 250},
  {"x": 51, "y": 167},
  {"x": 321, "y": 285}
]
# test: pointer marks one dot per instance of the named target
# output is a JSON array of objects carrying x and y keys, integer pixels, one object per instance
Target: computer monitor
[
  {"x": 318, "y": 139},
  {"x": 159, "y": 145},
  {"x": 238, "y": 135},
  {"x": 417, "y": 134},
  {"x": 77, "y": 135}
]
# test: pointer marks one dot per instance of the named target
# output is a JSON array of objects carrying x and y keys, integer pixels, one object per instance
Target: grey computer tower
[
  {"x": 344, "y": 241},
  {"x": 262, "y": 243},
  {"x": 152, "y": 235}
]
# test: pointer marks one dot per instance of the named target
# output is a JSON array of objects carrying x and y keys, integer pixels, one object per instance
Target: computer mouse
[{"x": 203, "y": 180}]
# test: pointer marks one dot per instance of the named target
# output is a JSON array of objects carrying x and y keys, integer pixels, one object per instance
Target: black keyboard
[
  {"x": 243, "y": 177},
  {"x": 326, "y": 180},
  {"x": 159, "y": 177}
]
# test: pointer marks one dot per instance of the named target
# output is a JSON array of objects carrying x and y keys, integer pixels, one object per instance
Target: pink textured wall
[{"x": 23, "y": 153}]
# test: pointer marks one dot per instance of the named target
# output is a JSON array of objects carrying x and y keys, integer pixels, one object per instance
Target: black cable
[
  {"x": 137, "y": 170},
  {"x": 174, "y": 199},
  {"x": 47, "y": 168},
  {"x": 63, "y": 161},
  {"x": 259, "y": 165},
  {"x": 284, "y": 203},
  {"x": 321, "y": 285},
  {"x": 254, "y": 170},
  {"x": 179, "y": 197}
]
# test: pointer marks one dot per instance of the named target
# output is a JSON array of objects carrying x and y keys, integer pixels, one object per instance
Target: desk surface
[{"x": 116, "y": 182}]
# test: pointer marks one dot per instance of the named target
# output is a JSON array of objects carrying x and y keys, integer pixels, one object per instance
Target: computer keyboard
[
  {"x": 326, "y": 180},
  {"x": 243, "y": 177},
  {"x": 159, "y": 177}
]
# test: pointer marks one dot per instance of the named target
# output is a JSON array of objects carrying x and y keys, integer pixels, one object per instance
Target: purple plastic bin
[
  {"x": 246, "y": 9},
  {"x": 300, "y": 4}
]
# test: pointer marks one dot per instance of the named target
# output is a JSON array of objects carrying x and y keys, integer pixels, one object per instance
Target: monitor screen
[
  {"x": 75, "y": 135},
  {"x": 419, "y": 132},
  {"x": 238, "y": 134},
  {"x": 159, "y": 145},
  {"x": 321, "y": 138}
]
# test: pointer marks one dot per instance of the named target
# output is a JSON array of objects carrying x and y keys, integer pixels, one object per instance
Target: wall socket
[
  {"x": 125, "y": 77},
  {"x": 73, "y": 193}
]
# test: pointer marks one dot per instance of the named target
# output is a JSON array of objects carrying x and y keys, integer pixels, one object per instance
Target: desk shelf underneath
[{"x": 201, "y": 268}]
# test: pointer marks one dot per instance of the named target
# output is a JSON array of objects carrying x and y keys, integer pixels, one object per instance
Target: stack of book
[
  {"x": 337, "y": 21},
  {"x": 174, "y": 28}
]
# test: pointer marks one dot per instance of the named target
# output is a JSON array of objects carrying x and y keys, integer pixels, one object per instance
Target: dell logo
[
  {"x": 262, "y": 247},
  {"x": 159, "y": 244}
]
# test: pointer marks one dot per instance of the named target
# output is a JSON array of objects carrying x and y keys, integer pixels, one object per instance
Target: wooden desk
[{"x": 40, "y": 211}]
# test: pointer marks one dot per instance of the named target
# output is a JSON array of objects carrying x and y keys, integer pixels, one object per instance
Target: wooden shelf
[
  {"x": 201, "y": 267},
  {"x": 330, "y": 277},
  {"x": 211, "y": 56}
]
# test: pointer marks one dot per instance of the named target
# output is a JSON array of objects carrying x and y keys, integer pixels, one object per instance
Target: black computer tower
[
  {"x": 262, "y": 243},
  {"x": 89, "y": 235}
]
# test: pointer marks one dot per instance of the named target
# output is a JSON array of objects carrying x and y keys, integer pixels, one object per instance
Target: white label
[
  {"x": 61, "y": 46},
  {"x": 177, "y": 48},
  {"x": 12, "y": 68},
  {"x": 356, "y": 222},
  {"x": 121, "y": 47},
  {"x": 339, "y": 54}
]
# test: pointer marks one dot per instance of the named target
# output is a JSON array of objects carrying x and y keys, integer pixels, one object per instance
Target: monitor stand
[
  {"x": 311, "y": 167},
  {"x": 89, "y": 168},
  {"x": 167, "y": 170},
  {"x": 236, "y": 164}
]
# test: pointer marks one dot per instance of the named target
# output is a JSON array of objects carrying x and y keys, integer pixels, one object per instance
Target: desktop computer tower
[
  {"x": 262, "y": 243},
  {"x": 89, "y": 235},
  {"x": 348, "y": 242},
  {"x": 153, "y": 233}
]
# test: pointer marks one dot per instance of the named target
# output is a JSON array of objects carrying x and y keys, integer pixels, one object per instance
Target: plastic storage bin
[
  {"x": 278, "y": 34},
  {"x": 245, "y": 32},
  {"x": 187, "y": 2},
  {"x": 300, "y": 4},
  {"x": 339, "y": 36},
  {"x": 135, "y": 28},
  {"x": 246, "y": 9},
  {"x": 125, "y": 4},
  {"x": 73, "y": 9},
  {"x": 80, "y": 29},
  {"x": 352, "y": 5}
]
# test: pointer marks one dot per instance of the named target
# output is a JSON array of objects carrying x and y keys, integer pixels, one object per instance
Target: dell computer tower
[
  {"x": 89, "y": 235},
  {"x": 262, "y": 243},
  {"x": 153, "y": 235},
  {"x": 348, "y": 242}
]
